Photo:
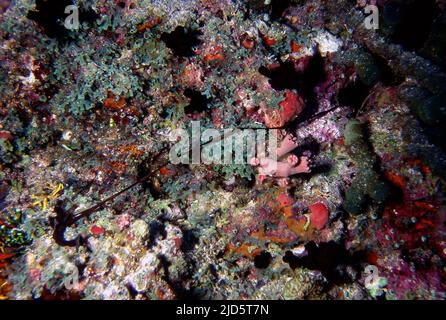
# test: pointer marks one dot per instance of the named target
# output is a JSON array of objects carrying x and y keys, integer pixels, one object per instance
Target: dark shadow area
[
  {"x": 189, "y": 240},
  {"x": 4, "y": 189},
  {"x": 156, "y": 230},
  {"x": 387, "y": 76},
  {"x": 353, "y": 95},
  {"x": 278, "y": 8},
  {"x": 314, "y": 147},
  {"x": 411, "y": 21},
  {"x": 330, "y": 258},
  {"x": 275, "y": 8},
  {"x": 435, "y": 47},
  {"x": 151, "y": 184},
  {"x": 50, "y": 15}
]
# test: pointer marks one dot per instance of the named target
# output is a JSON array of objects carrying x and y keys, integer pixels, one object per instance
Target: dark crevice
[
  {"x": 213, "y": 271},
  {"x": 285, "y": 77},
  {"x": 353, "y": 95},
  {"x": 282, "y": 77},
  {"x": 132, "y": 291},
  {"x": 182, "y": 41},
  {"x": 387, "y": 76},
  {"x": 198, "y": 102},
  {"x": 275, "y": 8},
  {"x": 411, "y": 21},
  {"x": 262, "y": 260},
  {"x": 313, "y": 75},
  {"x": 50, "y": 14}
]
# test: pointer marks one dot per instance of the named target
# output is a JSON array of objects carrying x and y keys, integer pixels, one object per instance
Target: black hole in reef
[
  {"x": 285, "y": 76},
  {"x": 165, "y": 114},
  {"x": 262, "y": 260},
  {"x": 121, "y": 4},
  {"x": 412, "y": 21},
  {"x": 330, "y": 258},
  {"x": 198, "y": 102},
  {"x": 353, "y": 95},
  {"x": 313, "y": 75},
  {"x": 50, "y": 15},
  {"x": 282, "y": 77},
  {"x": 213, "y": 270},
  {"x": 182, "y": 41},
  {"x": 278, "y": 7}
]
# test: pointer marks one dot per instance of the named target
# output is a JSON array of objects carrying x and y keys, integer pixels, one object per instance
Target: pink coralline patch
[
  {"x": 302, "y": 63},
  {"x": 35, "y": 273},
  {"x": 319, "y": 215},
  {"x": 123, "y": 221},
  {"x": 96, "y": 230},
  {"x": 280, "y": 169},
  {"x": 288, "y": 144}
]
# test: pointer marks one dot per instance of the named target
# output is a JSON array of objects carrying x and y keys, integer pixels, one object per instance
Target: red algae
[{"x": 319, "y": 215}]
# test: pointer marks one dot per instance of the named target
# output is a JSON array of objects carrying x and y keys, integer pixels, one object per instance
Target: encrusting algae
[{"x": 103, "y": 194}]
